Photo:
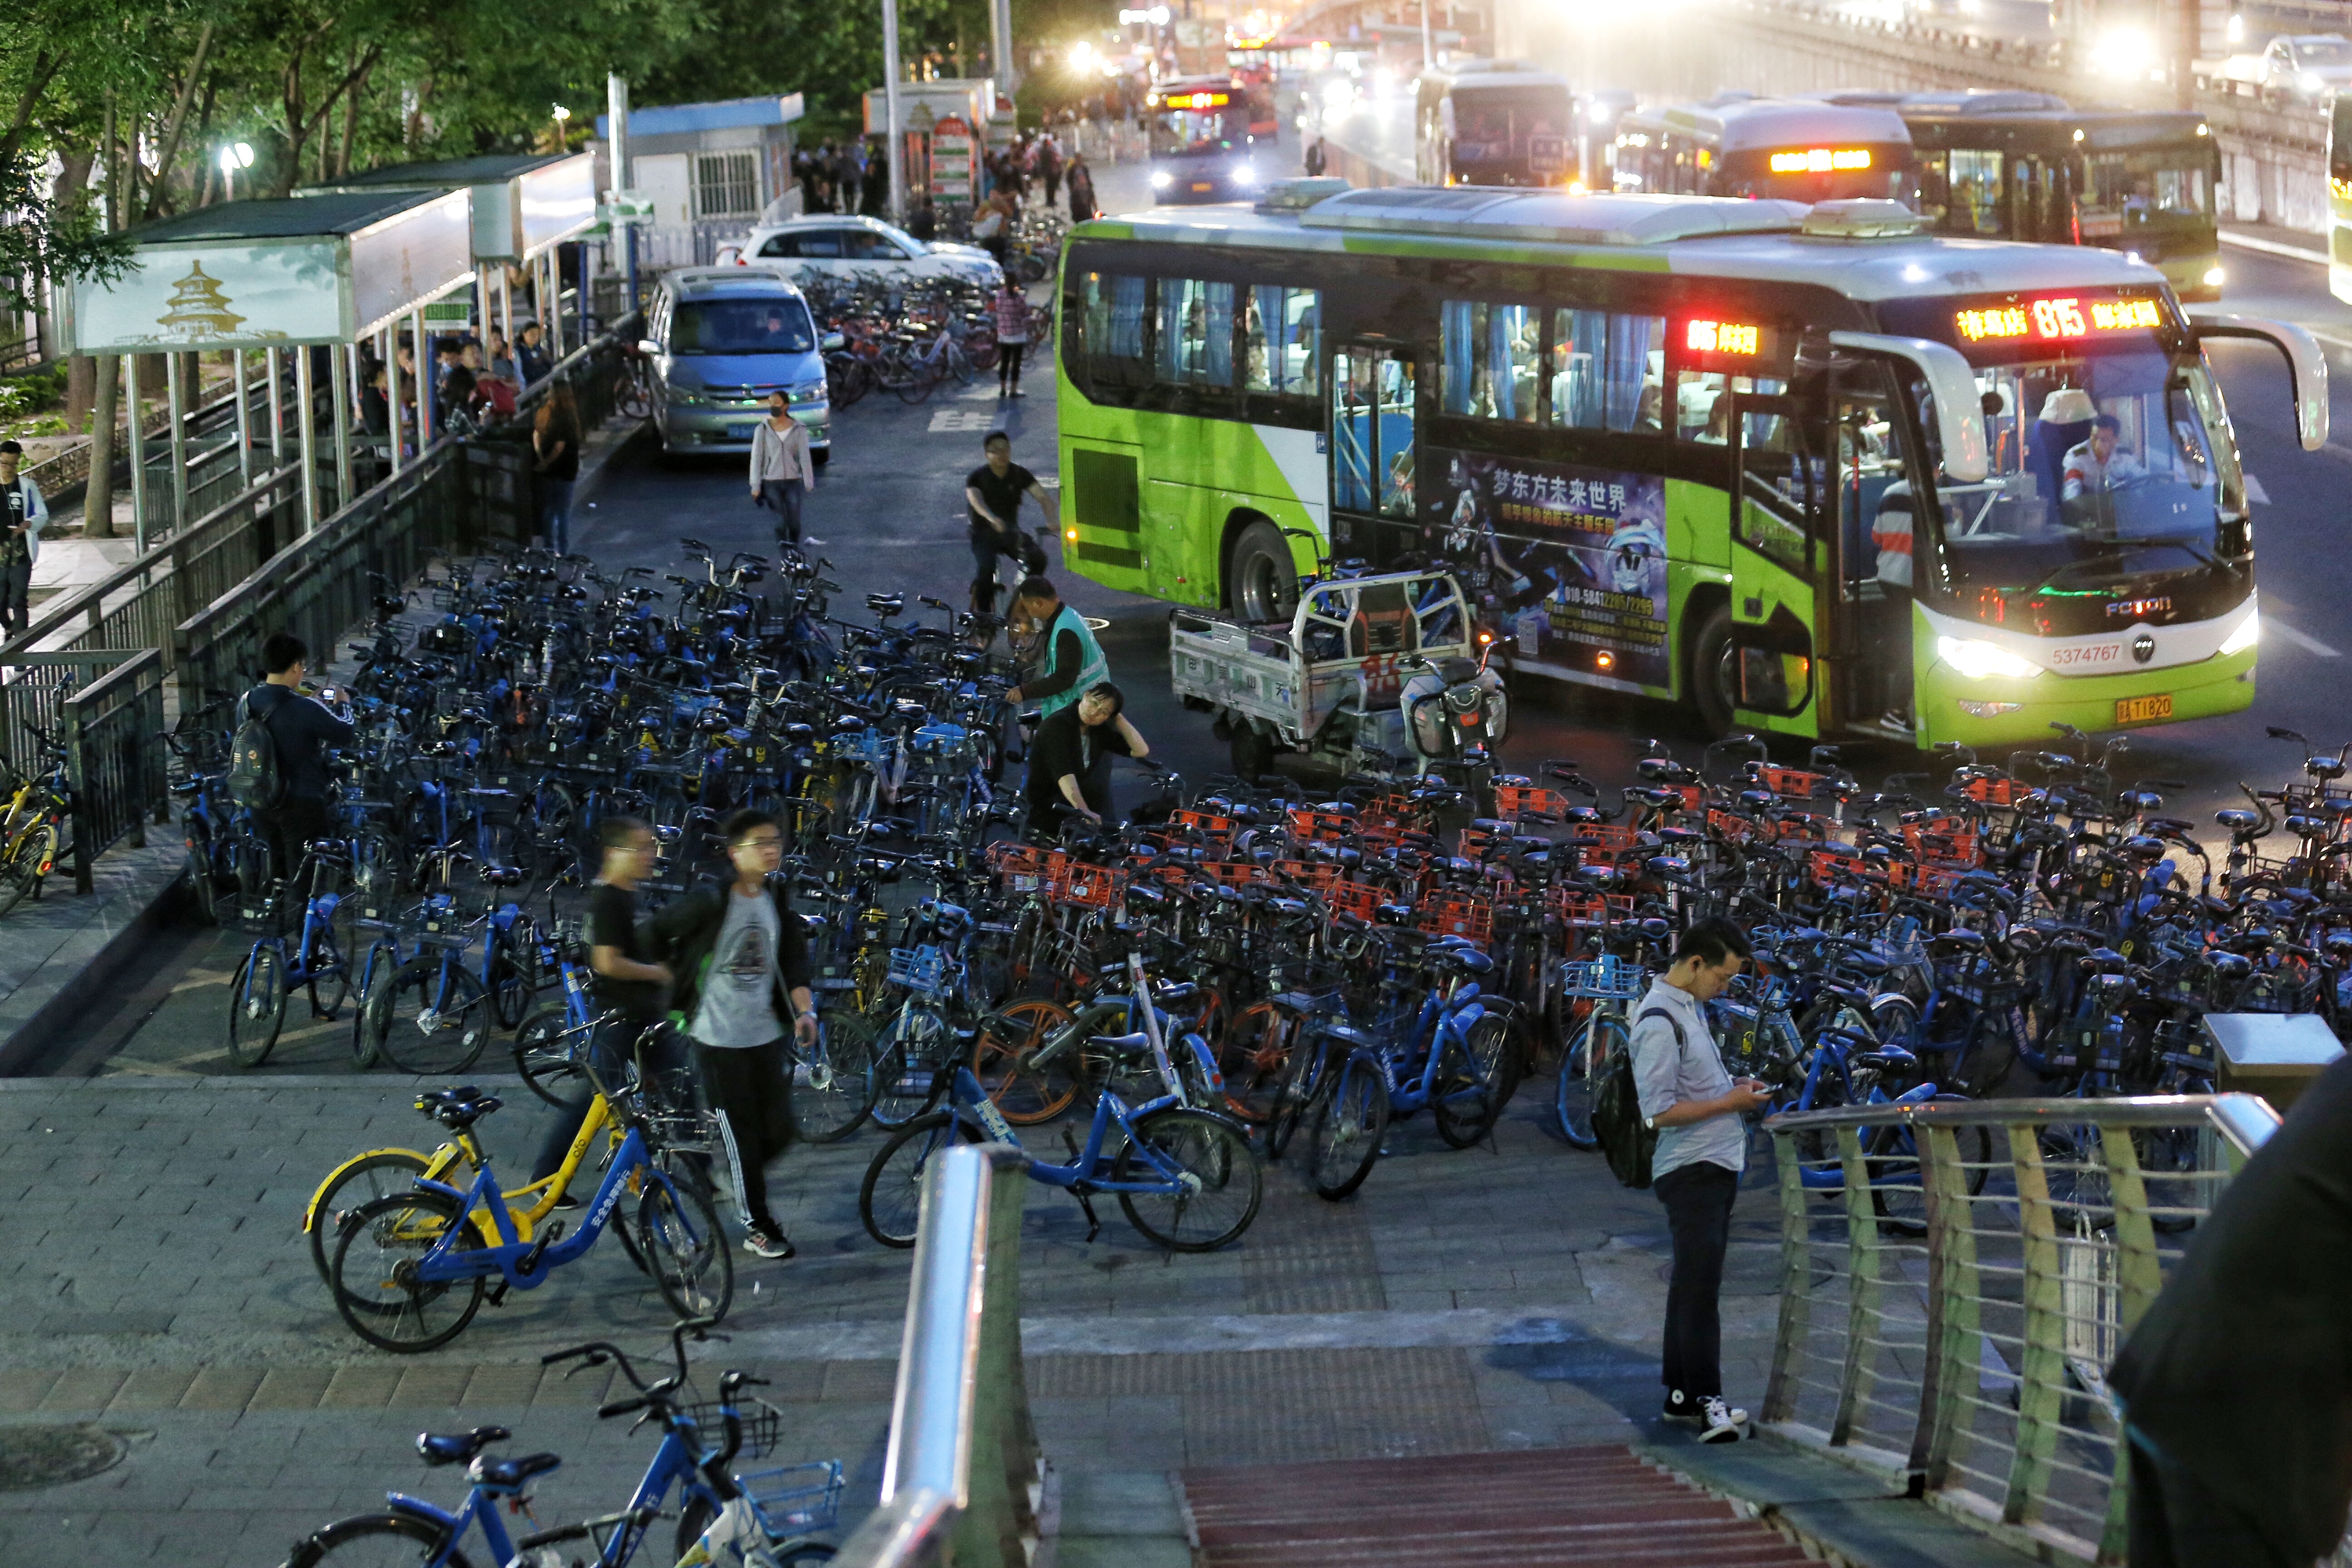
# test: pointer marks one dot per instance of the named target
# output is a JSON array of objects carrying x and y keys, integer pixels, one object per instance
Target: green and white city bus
[{"x": 1981, "y": 486}]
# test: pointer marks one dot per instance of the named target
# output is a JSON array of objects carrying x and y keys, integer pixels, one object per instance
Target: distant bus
[
  {"x": 1494, "y": 122},
  {"x": 1800, "y": 149},
  {"x": 2025, "y": 165},
  {"x": 1202, "y": 147},
  {"x": 2339, "y": 197}
]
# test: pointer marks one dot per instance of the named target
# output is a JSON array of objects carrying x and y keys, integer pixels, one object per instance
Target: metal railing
[
  {"x": 113, "y": 738},
  {"x": 960, "y": 1484},
  {"x": 1958, "y": 1277}
]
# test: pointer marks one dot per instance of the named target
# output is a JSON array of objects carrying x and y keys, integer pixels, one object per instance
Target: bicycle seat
[
  {"x": 457, "y": 1108},
  {"x": 510, "y": 1475},
  {"x": 1175, "y": 991},
  {"x": 456, "y": 1447},
  {"x": 1468, "y": 959},
  {"x": 502, "y": 876}
]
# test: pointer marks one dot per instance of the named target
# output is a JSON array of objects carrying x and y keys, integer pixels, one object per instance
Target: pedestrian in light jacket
[{"x": 20, "y": 539}]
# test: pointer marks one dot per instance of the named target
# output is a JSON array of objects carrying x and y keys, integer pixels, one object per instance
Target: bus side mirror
[
  {"x": 2306, "y": 366},
  {"x": 1959, "y": 424}
]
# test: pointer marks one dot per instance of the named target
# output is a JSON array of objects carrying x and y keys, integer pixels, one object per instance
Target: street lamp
[{"x": 235, "y": 156}]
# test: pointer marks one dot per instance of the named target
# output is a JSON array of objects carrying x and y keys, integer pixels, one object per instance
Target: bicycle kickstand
[{"x": 1094, "y": 1221}]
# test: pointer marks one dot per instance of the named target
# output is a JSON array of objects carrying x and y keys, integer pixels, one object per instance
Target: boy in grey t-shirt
[{"x": 742, "y": 971}]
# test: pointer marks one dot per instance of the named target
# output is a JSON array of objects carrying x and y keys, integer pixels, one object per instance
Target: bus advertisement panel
[{"x": 1586, "y": 562}]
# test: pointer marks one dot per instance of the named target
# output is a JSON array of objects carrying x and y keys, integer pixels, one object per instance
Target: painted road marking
[{"x": 958, "y": 421}]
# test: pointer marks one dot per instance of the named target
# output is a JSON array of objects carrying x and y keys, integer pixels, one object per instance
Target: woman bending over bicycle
[
  {"x": 741, "y": 963},
  {"x": 1069, "y": 760}
]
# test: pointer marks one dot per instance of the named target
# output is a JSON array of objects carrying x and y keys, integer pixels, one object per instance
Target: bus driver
[{"x": 2093, "y": 469}]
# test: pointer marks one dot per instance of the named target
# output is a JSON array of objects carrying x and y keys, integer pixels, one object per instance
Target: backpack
[
  {"x": 254, "y": 780},
  {"x": 1629, "y": 1141}
]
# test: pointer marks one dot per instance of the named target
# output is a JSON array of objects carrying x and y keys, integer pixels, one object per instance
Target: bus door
[
  {"x": 1371, "y": 448},
  {"x": 1779, "y": 505},
  {"x": 1873, "y": 561}
]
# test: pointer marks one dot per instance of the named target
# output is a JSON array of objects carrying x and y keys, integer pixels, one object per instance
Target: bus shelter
[
  {"x": 523, "y": 206},
  {"x": 278, "y": 275}
]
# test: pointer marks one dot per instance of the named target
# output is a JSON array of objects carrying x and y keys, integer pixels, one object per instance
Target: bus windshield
[
  {"x": 2105, "y": 467},
  {"x": 2133, "y": 193},
  {"x": 1491, "y": 124},
  {"x": 1197, "y": 133}
]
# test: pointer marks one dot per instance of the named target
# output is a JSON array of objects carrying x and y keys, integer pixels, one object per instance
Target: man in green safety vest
[{"x": 1074, "y": 660}]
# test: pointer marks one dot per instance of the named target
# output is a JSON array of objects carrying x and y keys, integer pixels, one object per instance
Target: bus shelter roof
[
  {"x": 521, "y": 203},
  {"x": 275, "y": 273}
]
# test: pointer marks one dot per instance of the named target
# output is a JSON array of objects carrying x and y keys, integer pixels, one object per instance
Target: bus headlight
[
  {"x": 1162, "y": 179},
  {"x": 1978, "y": 661},
  {"x": 2249, "y": 631},
  {"x": 2212, "y": 278},
  {"x": 1245, "y": 176}
]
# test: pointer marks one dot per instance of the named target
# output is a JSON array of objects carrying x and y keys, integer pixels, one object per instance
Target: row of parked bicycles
[{"x": 909, "y": 338}]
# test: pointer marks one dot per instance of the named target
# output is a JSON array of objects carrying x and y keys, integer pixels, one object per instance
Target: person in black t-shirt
[
  {"x": 303, "y": 731},
  {"x": 1062, "y": 782},
  {"x": 992, "y": 494},
  {"x": 625, "y": 978}
]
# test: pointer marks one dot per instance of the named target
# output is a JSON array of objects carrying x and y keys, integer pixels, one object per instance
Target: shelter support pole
[
  {"x": 340, "y": 359},
  {"x": 895, "y": 141},
  {"x": 482, "y": 306},
  {"x": 276, "y": 407},
  {"x": 174, "y": 383},
  {"x": 138, "y": 445},
  {"x": 394, "y": 423},
  {"x": 306, "y": 437},
  {"x": 244, "y": 419},
  {"x": 424, "y": 387},
  {"x": 505, "y": 308}
]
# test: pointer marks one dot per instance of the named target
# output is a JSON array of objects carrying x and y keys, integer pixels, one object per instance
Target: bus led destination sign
[
  {"x": 1724, "y": 338},
  {"x": 1196, "y": 101},
  {"x": 2057, "y": 319},
  {"x": 1821, "y": 160}
]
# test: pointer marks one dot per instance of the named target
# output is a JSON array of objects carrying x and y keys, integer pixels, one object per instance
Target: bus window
[
  {"x": 1491, "y": 355},
  {"x": 2129, "y": 191},
  {"x": 1287, "y": 360},
  {"x": 1606, "y": 370},
  {"x": 1960, "y": 190},
  {"x": 1196, "y": 332},
  {"x": 1113, "y": 307}
]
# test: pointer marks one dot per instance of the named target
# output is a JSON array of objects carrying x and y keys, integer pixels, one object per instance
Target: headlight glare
[{"x": 1975, "y": 659}]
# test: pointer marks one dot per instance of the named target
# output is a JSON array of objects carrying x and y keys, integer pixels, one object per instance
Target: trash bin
[{"x": 2274, "y": 1054}]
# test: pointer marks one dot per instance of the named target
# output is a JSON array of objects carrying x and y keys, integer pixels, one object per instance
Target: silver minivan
[{"x": 719, "y": 339}]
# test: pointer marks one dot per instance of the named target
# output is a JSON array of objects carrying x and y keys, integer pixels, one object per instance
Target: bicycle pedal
[{"x": 1094, "y": 1221}]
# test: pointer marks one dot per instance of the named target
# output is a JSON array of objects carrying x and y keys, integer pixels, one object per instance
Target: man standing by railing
[
  {"x": 1692, "y": 1102},
  {"x": 20, "y": 539}
]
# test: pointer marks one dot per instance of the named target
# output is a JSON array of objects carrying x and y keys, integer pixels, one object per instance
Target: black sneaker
[
  {"x": 567, "y": 1202},
  {"x": 1721, "y": 1423},
  {"x": 1681, "y": 1409}
]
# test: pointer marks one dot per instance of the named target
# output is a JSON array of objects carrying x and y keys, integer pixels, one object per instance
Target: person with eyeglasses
[{"x": 740, "y": 962}]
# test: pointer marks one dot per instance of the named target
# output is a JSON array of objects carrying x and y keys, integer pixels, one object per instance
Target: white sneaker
[{"x": 1722, "y": 1423}]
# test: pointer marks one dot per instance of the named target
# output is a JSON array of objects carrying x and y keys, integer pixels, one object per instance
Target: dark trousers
[
  {"x": 608, "y": 1048},
  {"x": 2177, "y": 1522},
  {"x": 985, "y": 553},
  {"x": 783, "y": 498},
  {"x": 1699, "y": 1220},
  {"x": 289, "y": 828},
  {"x": 750, "y": 1089},
  {"x": 1008, "y": 364},
  {"x": 15, "y": 595}
]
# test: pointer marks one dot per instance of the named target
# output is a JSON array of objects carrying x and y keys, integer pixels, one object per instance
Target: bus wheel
[
  {"x": 1714, "y": 672},
  {"x": 1262, "y": 584}
]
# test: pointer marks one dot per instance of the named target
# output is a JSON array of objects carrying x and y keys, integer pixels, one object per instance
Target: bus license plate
[
  {"x": 2142, "y": 710},
  {"x": 1203, "y": 186}
]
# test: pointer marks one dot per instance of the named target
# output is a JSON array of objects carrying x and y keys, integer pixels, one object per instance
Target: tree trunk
[{"x": 97, "y": 502}]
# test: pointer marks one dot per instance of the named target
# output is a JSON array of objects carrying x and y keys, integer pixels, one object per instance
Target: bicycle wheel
[
  {"x": 1304, "y": 1076},
  {"x": 549, "y": 1057},
  {"x": 679, "y": 1238},
  {"x": 382, "y": 1175},
  {"x": 832, "y": 1080},
  {"x": 22, "y": 872},
  {"x": 912, "y": 1067},
  {"x": 257, "y": 1006},
  {"x": 1475, "y": 1078},
  {"x": 1581, "y": 1067},
  {"x": 376, "y": 1287},
  {"x": 1253, "y": 1056},
  {"x": 890, "y": 1198},
  {"x": 372, "y": 1020},
  {"x": 2168, "y": 1163},
  {"x": 514, "y": 986},
  {"x": 203, "y": 883},
  {"x": 378, "y": 1540},
  {"x": 440, "y": 1019},
  {"x": 1348, "y": 1126},
  {"x": 695, "y": 1516},
  {"x": 331, "y": 976},
  {"x": 1217, "y": 1181},
  {"x": 1002, "y": 1055}
]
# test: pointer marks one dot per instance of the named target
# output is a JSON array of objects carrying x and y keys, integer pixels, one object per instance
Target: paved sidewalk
[{"x": 1501, "y": 1297}]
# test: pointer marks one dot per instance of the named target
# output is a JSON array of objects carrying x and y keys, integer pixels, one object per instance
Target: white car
[{"x": 829, "y": 243}]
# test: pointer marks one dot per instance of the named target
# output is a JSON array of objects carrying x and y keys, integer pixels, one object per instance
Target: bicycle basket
[
  {"x": 441, "y": 923},
  {"x": 763, "y": 1425},
  {"x": 926, "y": 971},
  {"x": 797, "y": 1497},
  {"x": 1605, "y": 978}
]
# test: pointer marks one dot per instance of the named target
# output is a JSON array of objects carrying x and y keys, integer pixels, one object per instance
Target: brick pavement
[{"x": 1501, "y": 1297}]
